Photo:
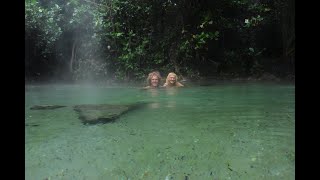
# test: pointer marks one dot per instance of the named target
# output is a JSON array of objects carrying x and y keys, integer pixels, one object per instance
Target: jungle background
[{"x": 123, "y": 40}]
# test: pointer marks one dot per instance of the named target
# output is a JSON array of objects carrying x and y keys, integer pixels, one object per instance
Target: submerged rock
[
  {"x": 269, "y": 77},
  {"x": 43, "y": 107},
  {"x": 32, "y": 124},
  {"x": 102, "y": 113}
]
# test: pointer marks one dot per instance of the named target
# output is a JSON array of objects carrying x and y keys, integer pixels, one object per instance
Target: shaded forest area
[{"x": 123, "y": 40}]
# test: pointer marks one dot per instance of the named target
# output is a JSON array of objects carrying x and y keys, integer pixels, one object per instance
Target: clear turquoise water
[{"x": 224, "y": 131}]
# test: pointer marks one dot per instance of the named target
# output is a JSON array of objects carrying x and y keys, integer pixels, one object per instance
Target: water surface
[{"x": 223, "y": 131}]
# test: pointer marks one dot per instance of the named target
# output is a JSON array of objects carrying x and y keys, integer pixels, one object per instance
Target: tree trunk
[
  {"x": 173, "y": 53},
  {"x": 288, "y": 30},
  {"x": 72, "y": 59}
]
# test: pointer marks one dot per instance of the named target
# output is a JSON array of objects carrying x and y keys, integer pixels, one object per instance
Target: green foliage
[
  {"x": 125, "y": 33},
  {"x": 253, "y": 21},
  {"x": 243, "y": 62},
  {"x": 201, "y": 39},
  {"x": 131, "y": 38},
  {"x": 43, "y": 22}
]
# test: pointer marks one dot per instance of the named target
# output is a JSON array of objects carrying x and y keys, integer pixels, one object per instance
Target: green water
[{"x": 224, "y": 131}]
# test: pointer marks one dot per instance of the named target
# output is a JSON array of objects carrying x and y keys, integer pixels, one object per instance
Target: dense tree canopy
[{"x": 125, "y": 39}]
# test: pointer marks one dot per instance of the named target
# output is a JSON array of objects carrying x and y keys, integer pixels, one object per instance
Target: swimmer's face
[
  {"x": 172, "y": 79},
  {"x": 154, "y": 81}
]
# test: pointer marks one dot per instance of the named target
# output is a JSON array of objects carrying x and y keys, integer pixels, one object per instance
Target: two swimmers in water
[{"x": 154, "y": 80}]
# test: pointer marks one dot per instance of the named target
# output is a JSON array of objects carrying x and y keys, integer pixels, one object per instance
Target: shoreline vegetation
[
  {"x": 122, "y": 41},
  {"x": 265, "y": 77}
]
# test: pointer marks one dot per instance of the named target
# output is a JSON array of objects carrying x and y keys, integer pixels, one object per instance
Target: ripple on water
[{"x": 216, "y": 132}]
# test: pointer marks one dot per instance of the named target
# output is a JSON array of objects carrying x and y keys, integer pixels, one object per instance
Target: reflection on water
[
  {"x": 172, "y": 91},
  {"x": 153, "y": 92},
  {"x": 230, "y": 131},
  {"x": 156, "y": 94}
]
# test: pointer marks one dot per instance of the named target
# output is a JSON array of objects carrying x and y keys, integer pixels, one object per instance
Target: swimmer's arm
[
  {"x": 147, "y": 87},
  {"x": 179, "y": 84}
]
